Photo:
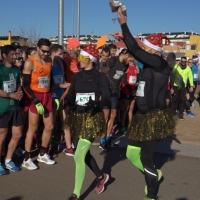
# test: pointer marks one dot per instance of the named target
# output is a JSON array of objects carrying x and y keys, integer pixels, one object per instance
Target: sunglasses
[
  {"x": 190, "y": 62},
  {"x": 44, "y": 51},
  {"x": 82, "y": 58},
  {"x": 19, "y": 58},
  {"x": 183, "y": 61}
]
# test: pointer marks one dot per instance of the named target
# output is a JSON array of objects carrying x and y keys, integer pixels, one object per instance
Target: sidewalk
[{"x": 167, "y": 146}]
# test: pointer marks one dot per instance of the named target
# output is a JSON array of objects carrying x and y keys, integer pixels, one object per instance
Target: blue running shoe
[
  {"x": 192, "y": 105},
  {"x": 2, "y": 170},
  {"x": 190, "y": 114},
  {"x": 12, "y": 167}
]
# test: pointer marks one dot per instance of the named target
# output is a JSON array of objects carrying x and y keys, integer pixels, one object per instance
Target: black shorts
[
  {"x": 129, "y": 97},
  {"x": 114, "y": 100},
  {"x": 168, "y": 95},
  {"x": 10, "y": 118}
]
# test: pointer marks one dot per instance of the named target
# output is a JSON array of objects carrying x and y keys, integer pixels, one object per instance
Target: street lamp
[
  {"x": 113, "y": 19},
  {"x": 78, "y": 21},
  {"x": 60, "y": 21}
]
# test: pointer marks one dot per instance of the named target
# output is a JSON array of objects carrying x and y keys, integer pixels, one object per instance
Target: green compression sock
[
  {"x": 79, "y": 157},
  {"x": 133, "y": 154}
]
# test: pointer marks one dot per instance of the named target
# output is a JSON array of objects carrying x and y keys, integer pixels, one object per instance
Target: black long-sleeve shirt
[
  {"x": 89, "y": 81},
  {"x": 154, "y": 76}
]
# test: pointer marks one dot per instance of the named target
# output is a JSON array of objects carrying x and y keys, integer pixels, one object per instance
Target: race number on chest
[
  {"x": 43, "y": 82},
  {"x": 83, "y": 98}
]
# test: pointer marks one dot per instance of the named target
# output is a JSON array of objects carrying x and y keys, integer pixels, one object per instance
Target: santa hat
[
  {"x": 155, "y": 41},
  {"x": 90, "y": 51},
  {"x": 195, "y": 57},
  {"x": 73, "y": 43}
]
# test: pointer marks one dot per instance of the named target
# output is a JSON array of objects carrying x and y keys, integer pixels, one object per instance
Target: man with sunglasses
[
  {"x": 36, "y": 83},
  {"x": 181, "y": 75}
]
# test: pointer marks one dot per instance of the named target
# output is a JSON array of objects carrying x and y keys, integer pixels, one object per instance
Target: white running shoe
[
  {"x": 29, "y": 164},
  {"x": 45, "y": 159}
]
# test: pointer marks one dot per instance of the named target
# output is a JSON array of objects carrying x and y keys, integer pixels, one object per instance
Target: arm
[
  {"x": 105, "y": 91},
  {"x": 26, "y": 77},
  {"x": 190, "y": 76}
]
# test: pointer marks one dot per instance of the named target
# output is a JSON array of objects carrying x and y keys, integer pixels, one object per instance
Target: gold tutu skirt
[
  {"x": 152, "y": 126},
  {"x": 85, "y": 125}
]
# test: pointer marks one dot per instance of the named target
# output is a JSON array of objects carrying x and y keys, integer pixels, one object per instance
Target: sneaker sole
[
  {"x": 45, "y": 162},
  {"x": 28, "y": 168},
  {"x": 69, "y": 154},
  {"x": 107, "y": 178},
  {"x": 102, "y": 148},
  {"x": 12, "y": 170}
]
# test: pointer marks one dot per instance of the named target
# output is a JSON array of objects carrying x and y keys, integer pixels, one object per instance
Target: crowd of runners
[{"x": 51, "y": 95}]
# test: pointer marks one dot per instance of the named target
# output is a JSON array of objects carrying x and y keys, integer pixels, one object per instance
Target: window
[{"x": 193, "y": 47}]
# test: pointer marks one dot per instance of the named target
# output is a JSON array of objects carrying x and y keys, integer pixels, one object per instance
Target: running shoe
[
  {"x": 159, "y": 172},
  {"x": 147, "y": 198},
  {"x": 2, "y": 170},
  {"x": 73, "y": 197},
  {"x": 69, "y": 152},
  {"x": 100, "y": 184},
  {"x": 45, "y": 159},
  {"x": 181, "y": 118},
  {"x": 192, "y": 105},
  {"x": 29, "y": 164},
  {"x": 191, "y": 114},
  {"x": 103, "y": 146},
  {"x": 11, "y": 166}
]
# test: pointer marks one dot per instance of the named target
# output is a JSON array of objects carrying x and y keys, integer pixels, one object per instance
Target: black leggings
[
  {"x": 147, "y": 150},
  {"x": 92, "y": 164}
]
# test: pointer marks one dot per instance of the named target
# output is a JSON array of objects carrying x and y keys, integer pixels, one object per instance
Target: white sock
[{"x": 7, "y": 160}]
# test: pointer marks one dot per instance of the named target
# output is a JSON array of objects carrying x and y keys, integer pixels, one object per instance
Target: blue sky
[{"x": 144, "y": 16}]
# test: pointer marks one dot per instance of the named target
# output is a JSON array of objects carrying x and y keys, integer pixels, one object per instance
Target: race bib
[
  {"x": 43, "y": 82},
  {"x": 196, "y": 76},
  {"x": 132, "y": 79},
  {"x": 9, "y": 86},
  {"x": 140, "y": 89},
  {"x": 58, "y": 79},
  {"x": 118, "y": 74},
  {"x": 83, "y": 98}
]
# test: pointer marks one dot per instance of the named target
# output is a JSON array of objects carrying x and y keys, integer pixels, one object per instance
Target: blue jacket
[{"x": 195, "y": 72}]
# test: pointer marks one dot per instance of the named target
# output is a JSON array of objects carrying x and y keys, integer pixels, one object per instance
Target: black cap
[{"x": 16, "y": 45}]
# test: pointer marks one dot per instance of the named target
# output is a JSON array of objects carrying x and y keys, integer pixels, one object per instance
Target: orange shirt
[
  {"x": 72, "y": 67},
  {"x": 40, "y": 78}
]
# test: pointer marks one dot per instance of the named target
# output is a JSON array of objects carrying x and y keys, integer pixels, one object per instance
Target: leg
[
  {"x": 182, "y": 101},
  {"x": 147, "y": 150},
  {"x": 3, "y": 133},
  {"x": 133, "y": 154},
  {"x": 111, "y": 121},
  {"x": 130, "y": 112},
  {"x": 124, "y": 112},
  {"x": 175, "y": 98},
  {"x": 79, "y": 157}
]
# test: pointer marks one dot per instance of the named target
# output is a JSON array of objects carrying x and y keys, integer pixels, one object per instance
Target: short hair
[
  {"x": 29, "y": 50},
  {"x": 55, "y": 47},
  {"x": 106, "y": 50},
  {"x": 44, "y": 42},
  {"x": 112, "y": 46},
  {"x": 125, "y": 51},
  {"x": 183, "y": 57},
  {"x": 6, "y": 50}
]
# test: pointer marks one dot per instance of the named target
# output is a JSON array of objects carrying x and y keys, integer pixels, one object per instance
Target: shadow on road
[
  {"x": 181, "y": 199},
  {"x": 112, "y": 157},
  {"x": 15, "y": 198}
]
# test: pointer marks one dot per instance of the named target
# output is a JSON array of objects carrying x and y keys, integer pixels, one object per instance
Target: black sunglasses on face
[
  {"x": 19, "y": 58},
  {"x": 44, "y": 51},
  {"x": 183, "y": 61}
]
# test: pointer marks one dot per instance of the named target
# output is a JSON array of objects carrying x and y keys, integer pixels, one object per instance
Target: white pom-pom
[{"x": 172, "y": 44}]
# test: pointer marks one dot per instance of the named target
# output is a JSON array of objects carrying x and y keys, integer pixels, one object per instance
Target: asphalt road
[{"x": 181, "y": 179}]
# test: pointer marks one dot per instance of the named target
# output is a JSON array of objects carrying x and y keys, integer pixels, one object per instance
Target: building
[
  {"x": 6, "y": 40},
  {"x": 184, "y": 43},
  {"x": 84, "y": 39}
]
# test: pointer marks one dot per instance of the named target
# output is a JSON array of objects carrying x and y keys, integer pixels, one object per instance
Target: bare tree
[{"x": 28, "y": 34}]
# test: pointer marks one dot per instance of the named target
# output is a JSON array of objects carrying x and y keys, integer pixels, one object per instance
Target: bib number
[
  {"x": 132, "y": 80},
  {"x": 140, "y": 89},
  {"x": 196, "y": 76},
  {"x": 9, "y": 86},
  {"x": 118, "y": 74},
  {"x": 43, "y": 82},
  {"x": 83, "y": 98},
  {"x": 58, "y": 79}
]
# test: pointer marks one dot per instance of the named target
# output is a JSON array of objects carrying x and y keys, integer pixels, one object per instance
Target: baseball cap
[{"x": 16, "y": 45}]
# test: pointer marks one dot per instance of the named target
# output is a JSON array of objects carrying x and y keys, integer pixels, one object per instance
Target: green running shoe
[{"x": 123, "y": 130}]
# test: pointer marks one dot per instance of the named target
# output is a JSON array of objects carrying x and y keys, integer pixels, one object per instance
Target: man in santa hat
[{"x": 154, "y": 120}]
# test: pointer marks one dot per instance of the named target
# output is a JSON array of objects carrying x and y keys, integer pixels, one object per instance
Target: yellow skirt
[
  {"x": 152, "y": 126},
  {"x": 85, "y": 125}
]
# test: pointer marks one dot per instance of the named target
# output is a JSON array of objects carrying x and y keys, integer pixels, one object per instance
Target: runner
[
  {"x": 36, "y": 83},
  {"x": 10, "y": 95},
  {"x": 86, "y": 119},
  {"x": 153, "y": 121},
  {"x": 116, "y": 67},
  {"x": 71, "y": 61}
]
